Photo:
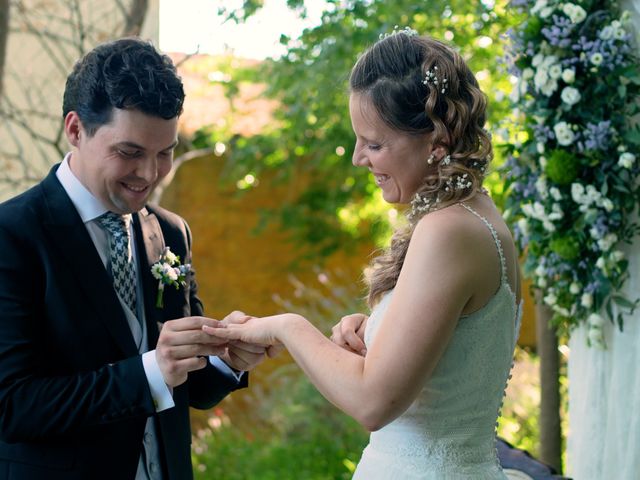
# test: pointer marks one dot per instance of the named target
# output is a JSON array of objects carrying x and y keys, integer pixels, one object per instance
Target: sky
[{"x": 194, "y": 25}]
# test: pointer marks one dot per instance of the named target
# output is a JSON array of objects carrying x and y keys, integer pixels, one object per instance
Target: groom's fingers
[
  {"x": 247, "y": 347},
  {"x": 179, "y": 352},
  {"x": 274, "y": 350}
]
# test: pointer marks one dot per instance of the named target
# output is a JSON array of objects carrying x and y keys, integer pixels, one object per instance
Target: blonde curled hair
[{"x": 420, "y": 86}]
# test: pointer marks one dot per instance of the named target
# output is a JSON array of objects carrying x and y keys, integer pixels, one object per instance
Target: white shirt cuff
[
  {"x": 160, "y": 391},
  {"x": 224, "y": 368}
]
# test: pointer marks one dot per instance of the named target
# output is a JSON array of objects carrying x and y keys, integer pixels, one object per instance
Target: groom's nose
[{"x": 147, "y": 168}]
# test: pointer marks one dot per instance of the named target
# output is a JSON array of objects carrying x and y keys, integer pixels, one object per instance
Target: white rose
[
  {"x": 596, "y": 59},
  {"x": 551, "y": 299},
  {"x": 540, "y": 4},
  {"x": 555, "y": 71},
  {"x": 575, "y": 12},
  {"x": 568, "y": 75},
  {"x": 523, "y": 226},
  {"x": 619, "y": 33},
  {"x": 626, "y": 160},
  {"x": 606, "y": 33},
  {"x": 156, "y": 271},
  {"x": 546, "y": 11},
  {"x": 617, "y": 256},
  {"x": 608, "y": 241},
  {"x": 574, "y": 288},
  {"x": 577, "y": 192},
  {"x": 527, "y": 73},
  {"x": 555, "y": 193},
  {"x": 171, "y": 273},
  {"x": 600, "y": 263},
  {"x": 586, "y": 300},
  {"x": 595, "y": 320},
  {"x": 537, "y": 59},
  {"x": 540, "y": 147},
  {"x": 542, "y": 282},
  {"x": 170, "y": 257},
  {"x": 596, "y": 337},
  {"x": 541, "y": 78},
  {"x": 540, "y": 271},
  {"x": 549, "y": 88},
  {"x": 541, "y": 187},
  {"x": 570, "y": 95},
  {"x": 607, "y": 205},
  {"x": 564, "y": 134},
  {"x": 548, "y": 226}
]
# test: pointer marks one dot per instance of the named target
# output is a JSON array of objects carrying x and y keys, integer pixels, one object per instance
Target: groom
[{"x": 95, "y": 380}]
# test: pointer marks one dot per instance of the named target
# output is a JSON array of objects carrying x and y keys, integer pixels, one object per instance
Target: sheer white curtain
[
  {"x": 604, "y": 386},
  {"x": 604, "y": 397}
]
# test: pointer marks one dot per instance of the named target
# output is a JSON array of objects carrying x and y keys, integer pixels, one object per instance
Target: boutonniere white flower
[{"x": 168, "y": 271}]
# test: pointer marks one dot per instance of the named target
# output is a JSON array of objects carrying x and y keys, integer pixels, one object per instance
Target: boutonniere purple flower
[{"x": 169, "y": 271}]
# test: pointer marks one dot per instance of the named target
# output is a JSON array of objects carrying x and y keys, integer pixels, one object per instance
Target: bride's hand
[
  {"x": 349, "y": 333},
  {"x": 258, "y": 331}
]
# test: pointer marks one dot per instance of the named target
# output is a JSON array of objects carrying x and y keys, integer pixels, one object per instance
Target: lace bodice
[{"x": 448, "y": 432}]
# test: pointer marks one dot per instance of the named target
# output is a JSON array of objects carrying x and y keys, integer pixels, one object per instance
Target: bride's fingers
[
  {"x": 226, "y": 333},
  {"x": 236, "y": 317}
]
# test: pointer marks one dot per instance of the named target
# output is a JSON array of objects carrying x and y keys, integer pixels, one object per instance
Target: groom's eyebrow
[{"x": 136, "y": 146}]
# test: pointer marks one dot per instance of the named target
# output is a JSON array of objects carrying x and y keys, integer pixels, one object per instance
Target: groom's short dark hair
[{"x": 128, "y": 73}]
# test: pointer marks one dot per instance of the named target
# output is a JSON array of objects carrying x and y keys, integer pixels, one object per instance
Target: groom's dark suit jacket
[{"x": 74, "y": 398}]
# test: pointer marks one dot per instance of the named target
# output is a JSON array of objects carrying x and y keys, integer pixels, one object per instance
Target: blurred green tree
[{"x": 311, "y": 135}]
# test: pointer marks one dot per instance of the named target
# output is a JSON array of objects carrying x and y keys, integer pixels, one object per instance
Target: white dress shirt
[{"x": 90, "y": 208}]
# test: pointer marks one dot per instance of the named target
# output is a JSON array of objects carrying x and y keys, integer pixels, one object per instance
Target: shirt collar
[{"x": 88, "y": 206}]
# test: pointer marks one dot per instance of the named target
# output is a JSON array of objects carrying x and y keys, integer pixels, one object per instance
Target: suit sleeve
[{"x": 42, "y": 396}]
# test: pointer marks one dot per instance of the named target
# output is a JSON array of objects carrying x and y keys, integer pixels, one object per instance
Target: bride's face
[{"x": 397, "y": 160}]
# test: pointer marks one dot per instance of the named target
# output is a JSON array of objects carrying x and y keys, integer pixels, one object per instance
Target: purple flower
[
  {"x": 542, "y": 133},
  {"x": 559, "y": 32},
  {"x": 596, "y": 136}
]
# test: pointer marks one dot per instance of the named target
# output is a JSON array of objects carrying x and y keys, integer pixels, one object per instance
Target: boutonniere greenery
[{"x": 169, "y": 271}]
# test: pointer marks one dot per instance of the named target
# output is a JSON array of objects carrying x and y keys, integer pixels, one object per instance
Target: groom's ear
[{"x": 73, "y": 128}]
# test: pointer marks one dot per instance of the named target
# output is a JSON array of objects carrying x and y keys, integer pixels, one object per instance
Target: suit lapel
[
  {"x": 149, "y": 245},
  {"x": 69, "y": 236}
]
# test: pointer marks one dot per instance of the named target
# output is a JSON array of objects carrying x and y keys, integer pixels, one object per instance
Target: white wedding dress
[{"x": 448, "y": 432}]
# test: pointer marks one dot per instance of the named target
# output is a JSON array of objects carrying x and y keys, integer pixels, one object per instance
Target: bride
[{"x": 445, "y": 295}]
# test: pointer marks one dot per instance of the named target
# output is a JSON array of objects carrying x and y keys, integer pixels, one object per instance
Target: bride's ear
[{"x": 438, "y": 151}]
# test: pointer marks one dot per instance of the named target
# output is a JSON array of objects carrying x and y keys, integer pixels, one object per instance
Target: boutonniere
[{"x": 169, "y": 271}]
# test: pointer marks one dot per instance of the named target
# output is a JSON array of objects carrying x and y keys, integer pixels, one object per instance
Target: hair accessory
[
  {"x": 410, "y": 32},
  {"x": 423, "y": 204},
  {"x": 431, "y": 158},
  {"x": 431, "y": 78},
  {"x": 446, "y": 160}
]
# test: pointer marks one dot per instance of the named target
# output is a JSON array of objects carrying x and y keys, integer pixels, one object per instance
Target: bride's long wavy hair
[{"x": 404, "y": 75}]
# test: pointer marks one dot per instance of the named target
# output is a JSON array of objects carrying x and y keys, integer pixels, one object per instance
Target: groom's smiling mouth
[{"x": 135, "y": 188}]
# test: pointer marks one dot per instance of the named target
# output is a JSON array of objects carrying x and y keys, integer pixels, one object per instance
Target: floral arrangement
[
  {"x": 168, "y": 271},
  {"x": 572, "y": 174}
]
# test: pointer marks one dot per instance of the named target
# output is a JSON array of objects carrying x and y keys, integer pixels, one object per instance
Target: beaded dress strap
[{"x": 496, "y": 239}]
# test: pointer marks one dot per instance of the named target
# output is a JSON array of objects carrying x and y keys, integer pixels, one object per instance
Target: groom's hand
[
  {"x": 183, "y": 347},
  {"x": 349, "y": 333}
]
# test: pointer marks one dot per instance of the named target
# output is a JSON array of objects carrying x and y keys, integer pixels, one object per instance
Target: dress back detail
[{"x": 448, "y": 432}]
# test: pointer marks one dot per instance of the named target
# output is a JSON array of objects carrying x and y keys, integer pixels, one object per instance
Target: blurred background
[{"x": 281, "y": 219}]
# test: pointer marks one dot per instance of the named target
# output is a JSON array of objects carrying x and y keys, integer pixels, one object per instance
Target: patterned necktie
[{"x": 122, "y": 269}]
